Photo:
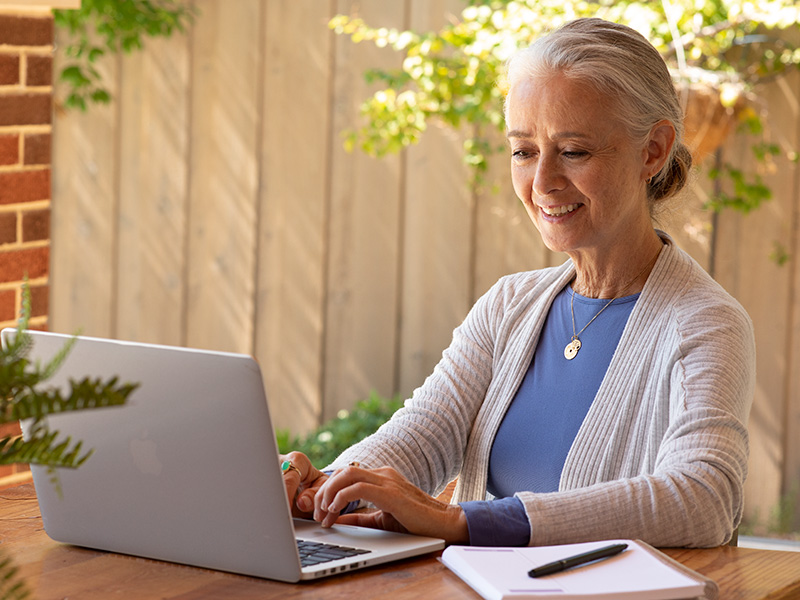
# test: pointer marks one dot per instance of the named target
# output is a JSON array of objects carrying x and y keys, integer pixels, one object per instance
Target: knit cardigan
[{"x": 662, "y": 453}]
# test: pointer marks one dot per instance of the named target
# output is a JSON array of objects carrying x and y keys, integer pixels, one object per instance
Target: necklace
[{"x": 571, "y": 349}]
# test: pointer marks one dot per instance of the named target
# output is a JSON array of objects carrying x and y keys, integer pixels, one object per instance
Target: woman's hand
[
  {"x": 302, "y": 484},
  {"x": 401, "y": 506}
]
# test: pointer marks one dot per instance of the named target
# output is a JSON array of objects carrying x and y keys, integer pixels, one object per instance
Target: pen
[{"x": 578, "y": 559}]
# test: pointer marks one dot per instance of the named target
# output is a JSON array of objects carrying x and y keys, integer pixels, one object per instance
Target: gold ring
[
  {"x": 355, "y": 463},
  {"x": 287, "y": 466}
]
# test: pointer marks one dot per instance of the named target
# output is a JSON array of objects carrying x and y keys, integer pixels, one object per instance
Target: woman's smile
[{"x": 557, "y": 211}]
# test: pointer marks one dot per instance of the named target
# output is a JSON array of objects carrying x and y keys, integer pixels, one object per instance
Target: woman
[{"x": 605, "y": 398}]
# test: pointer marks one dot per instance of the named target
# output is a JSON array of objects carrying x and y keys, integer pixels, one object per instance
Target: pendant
[{"x": 571, "y": 350}]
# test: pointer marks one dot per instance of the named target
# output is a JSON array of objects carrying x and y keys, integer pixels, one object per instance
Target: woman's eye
[
  {"x": 575, "y": 153},
  {"x": 521, "y": 154}
]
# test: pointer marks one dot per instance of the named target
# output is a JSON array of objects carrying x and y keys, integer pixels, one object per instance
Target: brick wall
[{"x": 26, "y": 90}]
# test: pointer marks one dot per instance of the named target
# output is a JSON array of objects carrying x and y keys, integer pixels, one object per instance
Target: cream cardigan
[{"x": 662, "y": 453}]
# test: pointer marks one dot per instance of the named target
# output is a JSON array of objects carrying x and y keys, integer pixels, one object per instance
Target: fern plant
[{"x": 23, "y": 396}]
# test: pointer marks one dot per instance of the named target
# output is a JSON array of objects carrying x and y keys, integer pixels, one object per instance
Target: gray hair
[{"x": 619, "y": 62}]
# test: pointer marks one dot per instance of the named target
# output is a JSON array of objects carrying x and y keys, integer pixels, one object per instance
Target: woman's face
[{"x": 579, "y": 175}]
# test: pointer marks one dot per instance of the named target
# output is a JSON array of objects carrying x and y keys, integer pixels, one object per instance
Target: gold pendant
[{"x": 571, "y": 350}]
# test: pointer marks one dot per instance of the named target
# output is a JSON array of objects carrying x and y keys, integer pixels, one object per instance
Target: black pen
[{"x": 578, "y": 559}]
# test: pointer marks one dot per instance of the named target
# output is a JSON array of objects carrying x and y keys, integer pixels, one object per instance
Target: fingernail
[{"x": 304, "y": 504}]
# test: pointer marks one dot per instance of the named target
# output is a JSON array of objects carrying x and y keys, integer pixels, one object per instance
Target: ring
[
  {"x": 355, "y": 463},
  {"x": 287, "y": 466}
]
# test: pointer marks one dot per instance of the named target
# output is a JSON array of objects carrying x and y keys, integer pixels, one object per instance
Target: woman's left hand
[{"x": 401, "y": 505}]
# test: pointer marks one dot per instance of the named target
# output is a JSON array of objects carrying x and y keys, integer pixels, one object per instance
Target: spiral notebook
[{"x": 639, "y": 573}]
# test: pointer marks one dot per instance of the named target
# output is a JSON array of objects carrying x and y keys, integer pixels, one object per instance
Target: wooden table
[{"x": 56, "y": 571}]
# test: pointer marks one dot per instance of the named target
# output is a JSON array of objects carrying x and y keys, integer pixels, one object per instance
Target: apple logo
[{"x": 143, "y": 450}]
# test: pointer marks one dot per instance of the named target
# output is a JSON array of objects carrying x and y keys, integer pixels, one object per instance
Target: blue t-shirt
[{"x": 533, "y": 440}]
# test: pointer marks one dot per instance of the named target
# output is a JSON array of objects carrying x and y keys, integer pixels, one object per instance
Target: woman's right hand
[{"x": 302, "y": 484}]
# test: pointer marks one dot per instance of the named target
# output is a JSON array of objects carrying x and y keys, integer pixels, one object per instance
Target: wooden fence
[{"x": 212, "y": 205}]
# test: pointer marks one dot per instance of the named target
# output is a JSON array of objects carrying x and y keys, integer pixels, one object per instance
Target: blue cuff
[{"x": 501, "y": 522}]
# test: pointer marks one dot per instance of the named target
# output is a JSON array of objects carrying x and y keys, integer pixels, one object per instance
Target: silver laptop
[{"x": 187, "y": 471}]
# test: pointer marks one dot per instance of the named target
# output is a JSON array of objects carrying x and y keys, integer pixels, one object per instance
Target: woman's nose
[{"x": 548, "y": 177}]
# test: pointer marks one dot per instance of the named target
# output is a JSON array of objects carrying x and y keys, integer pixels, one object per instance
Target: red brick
[
  {"x": 15, "y": 265},
  {"x": 9, "y": 69},
  {"x": 37, "y": 149},
  {"x": 8, "y": 228},
  {"x": 24, "y": 186},
  {"x": 35, "y": 225},
  {"x": 40, "y": 70},
  {"x": 40, "y": 300},
  {"x": 8, "y": 312},
  {"x": 9, "y": 149},
  {"x": 26, "y": 31},
  {"x": 9, "y": 429},
  {"x": 25, "y": 109}
]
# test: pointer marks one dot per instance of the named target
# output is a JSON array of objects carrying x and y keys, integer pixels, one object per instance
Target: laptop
[{"x": 188, "y": 471}]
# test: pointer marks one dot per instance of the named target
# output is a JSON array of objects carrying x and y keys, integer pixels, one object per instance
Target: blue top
[{"x": 546, "y": 413}]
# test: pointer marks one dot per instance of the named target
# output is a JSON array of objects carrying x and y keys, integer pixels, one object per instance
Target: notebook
[
  {"x": 188, "y": 470},
  {"x": 639, "y": 573}
]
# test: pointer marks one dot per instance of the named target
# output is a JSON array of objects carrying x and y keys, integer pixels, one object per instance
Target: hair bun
[{"x": 673, "y": 176}]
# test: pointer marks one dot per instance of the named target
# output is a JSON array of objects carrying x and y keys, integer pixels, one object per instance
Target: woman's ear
[{"x": 658, "y": 147}]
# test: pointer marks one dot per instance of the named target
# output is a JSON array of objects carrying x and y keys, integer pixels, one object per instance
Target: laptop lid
[{"x": 187, "y": 471}]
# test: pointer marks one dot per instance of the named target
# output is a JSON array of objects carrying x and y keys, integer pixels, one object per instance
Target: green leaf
[
  {"x": 75, "y": 76},
  {"x": 101, "y": 96},
  {"x": 95, "y": 54}
]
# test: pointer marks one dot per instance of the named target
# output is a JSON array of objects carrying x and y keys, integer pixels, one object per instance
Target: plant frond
[
  {"x": 86, "y": 393},
  {"x": 43, "y": 447},
  {"x": 11, "y": 586}
]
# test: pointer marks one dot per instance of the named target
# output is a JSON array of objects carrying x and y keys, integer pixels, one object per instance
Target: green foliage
[
  {"x": 748, "y": 193},
  {"x": 779, "y": 255},
  {"x": 329, "y": 440},
  {"x": 100, "y": 27},
  {"x": 11, "y": 586},
  {"x": 781, "y": 522},
  {"x": 454, "y": 75}
]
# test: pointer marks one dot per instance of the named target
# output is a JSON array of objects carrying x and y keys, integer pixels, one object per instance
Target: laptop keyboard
[{"x": 314, "y": 553}]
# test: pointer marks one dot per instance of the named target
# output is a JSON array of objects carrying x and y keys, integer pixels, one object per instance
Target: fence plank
[
  {"x": 84, "y": 215},
  {"x": 223, "y": 175},
  {"x": 364, "y": 231},
  {"x": 292, "y": 253},
  {"x": 439, "y": 221},
  {"x": 745, "y": 268},
  {"x": 790, "y": 120},
  {"x": 153, "y": 131}
]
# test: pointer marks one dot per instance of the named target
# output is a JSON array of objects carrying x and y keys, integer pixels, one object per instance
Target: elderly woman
[{"x": 605, "y": 398}]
